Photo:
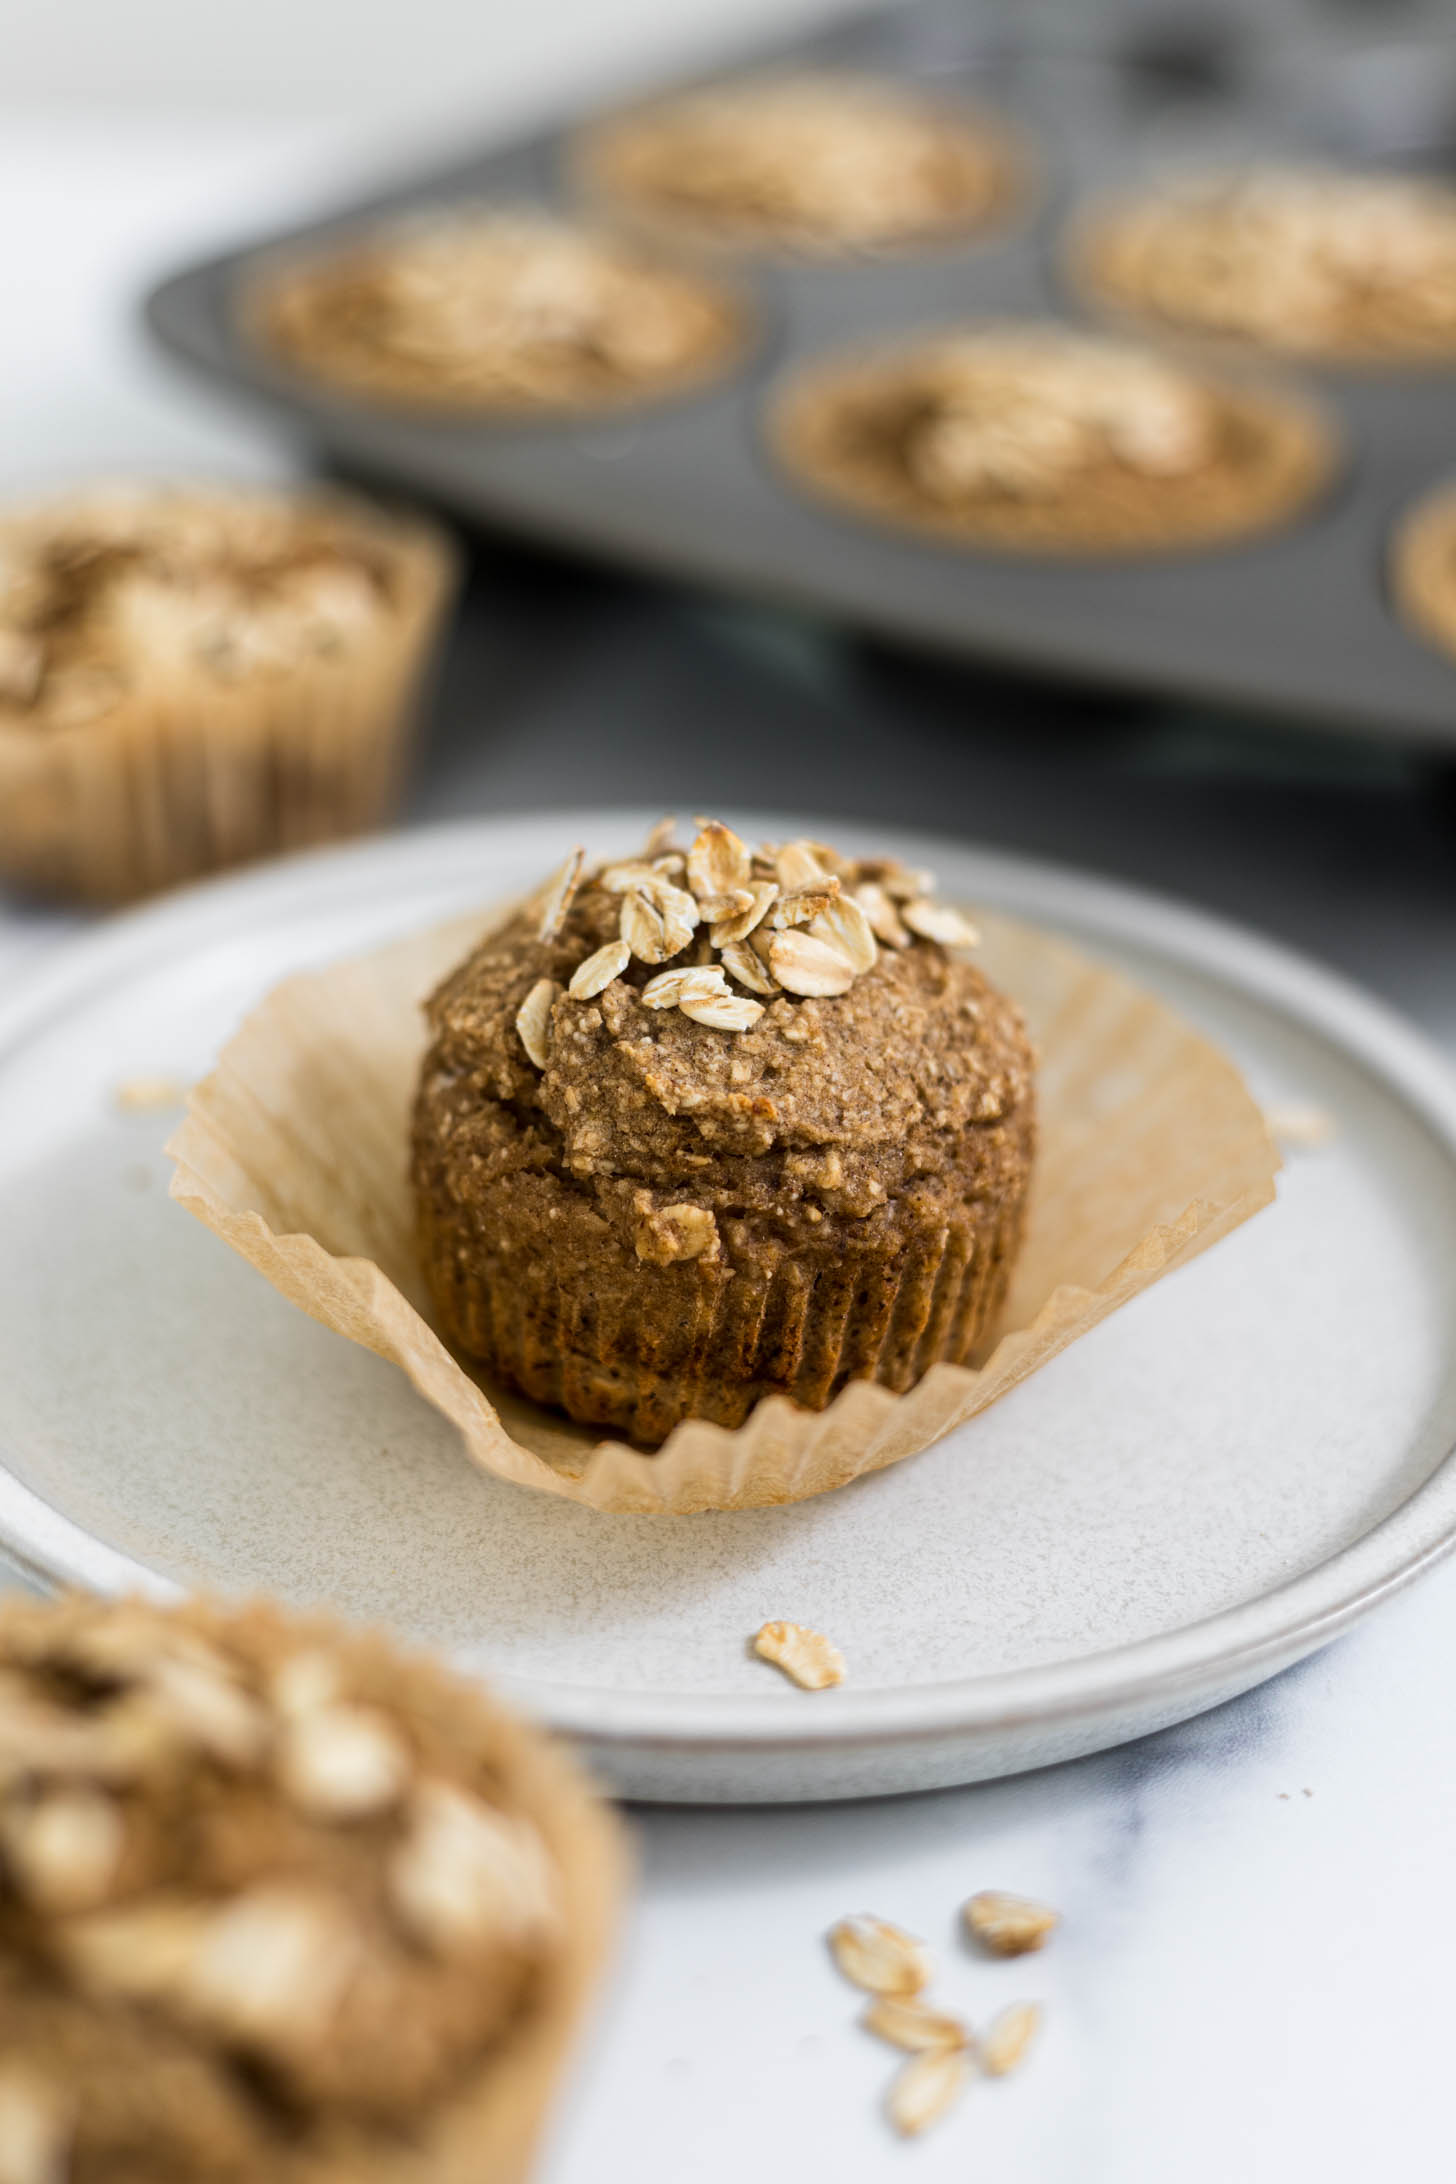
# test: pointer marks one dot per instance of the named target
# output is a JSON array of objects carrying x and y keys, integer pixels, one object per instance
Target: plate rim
[{"x": 1275, "y": 1627}]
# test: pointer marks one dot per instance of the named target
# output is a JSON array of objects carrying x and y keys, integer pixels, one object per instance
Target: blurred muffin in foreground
[
  {"x": 1342, "y": 266},
  {"x": 191, "y": 677},
  {"x": 1423, "y": 568},
  {"x": 279, "y": 1904},
  {"x": 474, "y": 309},
  {"x": 813, "y": 164},
  {"x": 709, "y": 1125},
  {"x": 1036, "y": 437}
]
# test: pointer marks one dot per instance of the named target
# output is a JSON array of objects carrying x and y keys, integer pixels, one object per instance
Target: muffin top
[
  {"x": 1033, "y": 433},
  {"x": 103, "y": 592},
  {"x": 818, "y": 163},
  {"x": 265, "y": 1889},
  {"x": 1302, "y": 261},
  {"x": 489, "y": 309},
  {"x": 740, "y": 1028}
]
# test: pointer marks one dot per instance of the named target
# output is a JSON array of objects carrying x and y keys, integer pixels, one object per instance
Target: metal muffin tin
[{"x": 1297, "y": 623}]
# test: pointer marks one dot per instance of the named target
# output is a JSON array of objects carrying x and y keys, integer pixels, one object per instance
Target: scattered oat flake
[
  {"x": 880, "y": 1958},
  {"x": 913, "y": 2025},
  {"x": 762, "y": 895},
  {"x": 797, "y": 865},
  {"x": 533, "y": 1019},
  {"x": 597, "y": 972},
  {"x": 937, "y": 921},
  {"x": 884, "y": 918},
  {"x": 1009, "y": 2037},
  {"x": 1299, "y": 1124},
  {"x": 749, "y": 969},
  {"x": 927, "y": 2088},
  {"x": 804, "y": 965},
  {"x": 558, "y": 901},
  {"x": 1008, "y": 1925},
  {"x": 807, "y": 1657},
  {"x": 144, "y": 1094},
  {"x": 845, "y": 926},
  {"x": 718, "y": 861},
  {"x": 659, "y": 838},
  {"x": 722, "y": 1011}
]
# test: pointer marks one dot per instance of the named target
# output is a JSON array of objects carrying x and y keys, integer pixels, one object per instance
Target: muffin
[
  {"x": 810, "y": 164},
  {"x": 1033, "y": 436},
  {"x": 481, "y": 311},
  {"x": 1348, "y": 267},
  {"x": 703, "y": 1127},
  {"x": 194, "y": 676},
  {"x": 1423, "y": 568},
  {"x": 278, "y": 1905}
]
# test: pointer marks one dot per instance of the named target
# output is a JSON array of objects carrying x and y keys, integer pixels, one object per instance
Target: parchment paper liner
[
  {"x": 295, "y": 1151},
  {"x": 194, "y": 775},
  {"x": 491, "y": 2127}
]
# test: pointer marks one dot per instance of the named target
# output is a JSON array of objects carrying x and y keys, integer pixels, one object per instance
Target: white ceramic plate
[{"x": 1212, "y": 1484}]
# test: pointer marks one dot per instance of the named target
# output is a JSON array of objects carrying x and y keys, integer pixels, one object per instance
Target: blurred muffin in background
[
  {"x": 491, "y": 311},
  {"x": 813, "y": 164},
  {"x": 1036, "y": 437},
  {"x": 1423, "y": 568},
  {"x": 193, "y": 676},
  {"x": 279, "y": 1904},
  {"x": 1344, "y": 266}
]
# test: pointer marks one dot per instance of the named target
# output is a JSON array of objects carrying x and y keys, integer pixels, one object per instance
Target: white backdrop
[{"x": 405, "y": 66}]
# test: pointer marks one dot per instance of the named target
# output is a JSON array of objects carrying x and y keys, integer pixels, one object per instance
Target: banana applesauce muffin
[
  {"x": 478, "y": 308},
  {"x": 817, "y": 164},
  {"x": 1034, "y": 436},
  {"x": 279, "y": 1904},
  {"x": 194, "y": 675},
  {"x": 705, "y": 1126},
  {"x": 1360, "y": 267},
  {"x": 1423, "y": 568}
]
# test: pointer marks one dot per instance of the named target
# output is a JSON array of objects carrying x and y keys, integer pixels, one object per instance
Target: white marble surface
[{"x": 1253, "y": 1977}]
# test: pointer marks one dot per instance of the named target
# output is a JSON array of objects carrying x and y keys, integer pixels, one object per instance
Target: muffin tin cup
[
  {"x": 295, "y": 1151},
  {"x": 190, "y": 778}
]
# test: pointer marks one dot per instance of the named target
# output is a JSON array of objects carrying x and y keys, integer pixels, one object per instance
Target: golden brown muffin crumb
[
  {"x": 267, "y": 1892},
  {"x": 672, "y": 1196}
]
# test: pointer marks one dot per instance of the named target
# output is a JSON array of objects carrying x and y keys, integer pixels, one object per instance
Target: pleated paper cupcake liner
[
  {"x": 188, "y": 778},
  {"x": 296, "y": 1151}
]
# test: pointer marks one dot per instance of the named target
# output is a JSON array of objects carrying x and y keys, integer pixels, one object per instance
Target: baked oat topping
[
  {"x": 482, "y": 307},
  {"x": 103, "y": 591},
  {"x": 1008, "y": 1925},
  {"x": 788, "y": 919},
  {"x": 231, "y": 1949},
  {"x": 881, "y": 1958},
  {"x": 1299, "y": 260},
  {"x": 1034, "y": 434},
  {"x": 819, "y": 163},
  {"x": 806, "y": 1657}
]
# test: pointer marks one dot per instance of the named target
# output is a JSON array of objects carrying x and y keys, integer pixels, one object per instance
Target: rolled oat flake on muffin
[
  {"x": 736, "y": 1166},
  {"x": 277, "y": 1903}
]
